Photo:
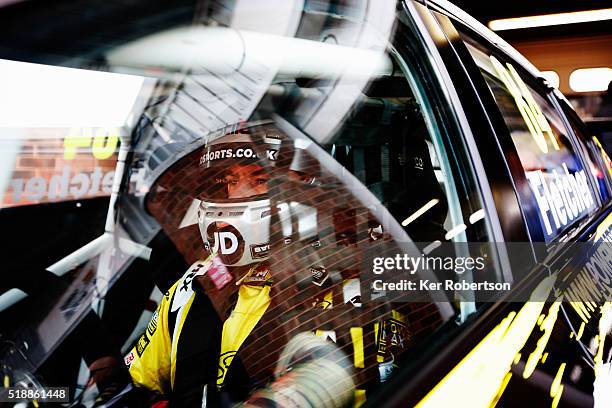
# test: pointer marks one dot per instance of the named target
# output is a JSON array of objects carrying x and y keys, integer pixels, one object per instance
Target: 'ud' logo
[{"x": 226, "y": 242}]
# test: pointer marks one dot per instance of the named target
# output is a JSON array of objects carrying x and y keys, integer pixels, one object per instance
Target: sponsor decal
[
  {"x": 142, "y": 344},
  {"x": 237, "y": 153},
  {"x": 45, "y": 172},
  {"x": 218, "y": 273},
  {"x": 594, "y": 281},
  {"x": 391, "y": 335},
  {"x": 561, "y": 196},
  {"x": 70, "y": 184},
  {"x": 259, "y": 251},
  {"x": 530, "y": 110},
  {"x": 152, "y": 326},
  {"x": 320, "y": 274},
  {"x": 195, "y": 270},
  {"x": 355, "y": 301},
  {"x": 259, "y": 275},
  {"x": 129, "y": 359},
  {"x": 101, "y": 142},
  {"x": 375, "y": 233},
  {"x": 184, "y": 289},
  {"x": 225, "y": 360},
  {"x": 481, "y": 377},
  {"x": 186, "y": 283},
  {"x": 226, "y": 241}
]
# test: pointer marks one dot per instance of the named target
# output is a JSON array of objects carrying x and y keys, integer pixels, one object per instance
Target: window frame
[
  {"x": 506, "y": 151},
  {"x": 456, "y": 111}
]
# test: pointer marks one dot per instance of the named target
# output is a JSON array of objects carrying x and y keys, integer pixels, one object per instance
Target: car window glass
[
  {"x": 596, "y": 158},
  {"x": 382, "y": 183},
  {"x": 557, "y": 177}
]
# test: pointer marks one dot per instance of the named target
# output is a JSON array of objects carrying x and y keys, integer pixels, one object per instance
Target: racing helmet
[{"x": 234, "y": 211}]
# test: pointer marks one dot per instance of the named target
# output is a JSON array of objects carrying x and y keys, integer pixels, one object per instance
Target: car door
[{"x": 552, "y": 364}]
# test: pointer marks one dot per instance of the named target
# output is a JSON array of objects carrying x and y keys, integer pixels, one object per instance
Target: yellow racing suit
[{"x": 186, "y": 351}]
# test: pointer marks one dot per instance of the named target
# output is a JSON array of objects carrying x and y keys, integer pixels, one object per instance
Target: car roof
[{"x": 451, "y": 10}]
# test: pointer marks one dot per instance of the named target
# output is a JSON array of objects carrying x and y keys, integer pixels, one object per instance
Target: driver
[
  {"x": 218, "y": 331},
  {"x": 187, "y": 351}
]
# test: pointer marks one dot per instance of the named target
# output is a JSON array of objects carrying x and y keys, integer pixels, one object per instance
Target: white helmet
[{"x": 234, "y": 212}]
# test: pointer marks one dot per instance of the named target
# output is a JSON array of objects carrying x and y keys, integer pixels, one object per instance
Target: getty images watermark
[
  {"x": 405, "y": 273},
  {"x": 490, "y": 272}
]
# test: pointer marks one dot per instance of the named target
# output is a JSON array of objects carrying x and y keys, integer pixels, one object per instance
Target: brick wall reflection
[{"x": 42, "y": 174}]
